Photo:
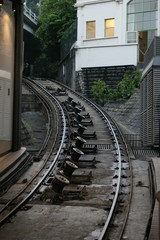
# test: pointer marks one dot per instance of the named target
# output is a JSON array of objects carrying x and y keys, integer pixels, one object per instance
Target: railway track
[
  {"x": 49, "y": 158},
  {"x": 90, "y": 172}
]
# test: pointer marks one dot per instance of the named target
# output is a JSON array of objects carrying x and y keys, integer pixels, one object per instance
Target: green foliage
[
  {"x": 101, "y": 92},
  {"x": 126, "y": 87},
  {"x": 136, "y": 75},
  {"x": 55, "y": 17}
]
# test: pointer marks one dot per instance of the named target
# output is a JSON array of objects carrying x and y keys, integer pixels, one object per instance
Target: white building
[{"x": 114, "y": 33}]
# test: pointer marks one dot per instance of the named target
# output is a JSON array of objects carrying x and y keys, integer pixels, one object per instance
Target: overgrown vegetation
[{"x": 102, "y": 93}]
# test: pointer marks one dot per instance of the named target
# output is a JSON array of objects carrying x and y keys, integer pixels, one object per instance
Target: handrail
[
  {"x": 31, "y": 15},
  {"x": 141, "y": 52}
]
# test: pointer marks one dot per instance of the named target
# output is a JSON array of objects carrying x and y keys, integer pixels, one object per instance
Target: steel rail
[
  {"x": 42, "y": 148},
  {"x": 108, "y": 122},
  {"x": 56, "y": 158},
  {"x": 131, "y": 177},
  {"x": 49, "y": 130}
]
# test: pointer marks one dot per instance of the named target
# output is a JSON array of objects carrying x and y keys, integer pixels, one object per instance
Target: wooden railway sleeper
[
  {"x": 82, "y": 178},
  {"x": 86, "y": 162},
  {"x": 61, "y": 91},
  {"x": 78, "y": 110},
  {"x": 87, "y": 123},
  {"x": 81, "y": 120},
  {"x": 89, "y": 135},
  {"x": 72, "y": 192},
  {"x": 91, "y": 148}
]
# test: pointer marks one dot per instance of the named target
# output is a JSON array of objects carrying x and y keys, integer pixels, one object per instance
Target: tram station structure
[
  {"x": 11, "y": 55},
  {"x": 17, "y": 27}
]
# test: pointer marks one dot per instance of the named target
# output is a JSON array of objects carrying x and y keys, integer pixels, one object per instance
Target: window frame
[
  {"x": 109, "y": 28},
  {"x": 87, "y": 30}
]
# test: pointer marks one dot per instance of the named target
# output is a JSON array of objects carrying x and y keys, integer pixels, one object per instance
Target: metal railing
[{"x": 31, "y": 15}]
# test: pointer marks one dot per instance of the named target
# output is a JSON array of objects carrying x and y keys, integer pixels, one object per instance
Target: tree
[{"x": 55, "y": 17}]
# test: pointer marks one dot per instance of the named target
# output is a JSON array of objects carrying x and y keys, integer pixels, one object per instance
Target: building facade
[{"x": 114, "y": 32}]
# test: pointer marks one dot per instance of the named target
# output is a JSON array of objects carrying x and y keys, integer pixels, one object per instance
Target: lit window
[
  {"x": 91, "y": 29},
  {"x": 109, "y": 27}
]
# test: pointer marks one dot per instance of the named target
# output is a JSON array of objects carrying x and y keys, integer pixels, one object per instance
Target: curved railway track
[
  {"x": 48, "y": 157},
  {"x": 92, "y": 170}
]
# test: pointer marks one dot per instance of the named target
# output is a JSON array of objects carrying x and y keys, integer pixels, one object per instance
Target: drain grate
[{"x": 99, "y": 147}]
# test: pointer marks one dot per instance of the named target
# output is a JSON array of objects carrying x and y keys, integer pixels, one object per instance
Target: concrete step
[{"x": 12, "y": 166}]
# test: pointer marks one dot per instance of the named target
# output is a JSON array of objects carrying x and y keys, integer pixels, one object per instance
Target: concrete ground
[{"x": 141, "y": 202}]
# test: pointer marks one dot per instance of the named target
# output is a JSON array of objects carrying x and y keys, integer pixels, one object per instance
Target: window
[
  {"x": 131, "y": 37},
  {"x": 142, "y": 15},
  {"x": 109, "y": 27},
  {"x": 91, "y": 29}
]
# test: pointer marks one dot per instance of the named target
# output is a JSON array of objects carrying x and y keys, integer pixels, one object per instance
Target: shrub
[
  {"x": 137, "y": 78},
  {"x": 101, "y": 92},
  {"x": 126, "y": 87}
]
